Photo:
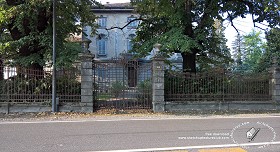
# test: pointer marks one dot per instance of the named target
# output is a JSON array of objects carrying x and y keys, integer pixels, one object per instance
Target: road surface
[{"x": 209, "y": 134}]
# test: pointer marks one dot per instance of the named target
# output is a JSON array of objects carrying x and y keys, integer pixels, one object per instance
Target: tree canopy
[
  {"x": 248, "y": 51},
  {"x": 26, "y": 29},
  {"x": 187, "y": 26},
  {"x": 271, "y": 51},
  {"x": 255, "y": 48},
  {"x": 273, "y": 43}
]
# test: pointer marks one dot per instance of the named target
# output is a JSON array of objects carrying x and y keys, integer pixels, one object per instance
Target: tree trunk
[
  {"x": 189, "y": 64},
  {"x": 189, "y": 58},
  {"x": 1, "y": 70},
  {"x": 37, "y": 71}
]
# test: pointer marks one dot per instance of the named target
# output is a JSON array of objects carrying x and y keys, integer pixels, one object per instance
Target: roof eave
[{"x": 111, "y": 10}]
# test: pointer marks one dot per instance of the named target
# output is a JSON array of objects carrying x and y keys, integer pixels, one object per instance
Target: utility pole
[{"x": 54, "y": 106}]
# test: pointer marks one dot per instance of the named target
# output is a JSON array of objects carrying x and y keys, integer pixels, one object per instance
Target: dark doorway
[{"x": 132, "y": 73}]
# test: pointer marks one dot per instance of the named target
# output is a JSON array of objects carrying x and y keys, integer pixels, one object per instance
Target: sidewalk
[{"x": 123, "y": 115}]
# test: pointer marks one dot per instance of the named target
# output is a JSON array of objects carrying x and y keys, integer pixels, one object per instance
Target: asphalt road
[{"x": 230, "y": 134}]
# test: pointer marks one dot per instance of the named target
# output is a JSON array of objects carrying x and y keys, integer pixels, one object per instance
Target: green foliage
[
  {"x": 202, "y": 83},
  {"x": 217, "y": 55},
  {"x": 238, "y": 50},
  {"x": 255, "y": 49},
  {"x": 26, "y": 29},
  {"x": 187, "y": 26},
  {"x": 103, "y": 96},
  {"x": 69, "y": 54},
  {"x": 145, "y": 86},
  {"x": 216, "y": 86},
  {"x": 117, "y": 88},
  {"x": 248, "y": 52},
  {"x": 68, "y": 86},
  {"x": 35, "y": 89},
  {"x": 273, "y": 41},
  {"x": 144, "y": 89},
  {"x": 272, "y": 50}
]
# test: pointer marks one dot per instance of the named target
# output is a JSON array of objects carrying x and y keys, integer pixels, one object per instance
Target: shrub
[
  {"x": 117, "y": 88},
  {"x": 35, "y": 89},
  {"x": 145, "y": 91}
]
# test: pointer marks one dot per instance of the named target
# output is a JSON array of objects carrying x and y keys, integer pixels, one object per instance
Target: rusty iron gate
[{"x": 122, "y": 83}]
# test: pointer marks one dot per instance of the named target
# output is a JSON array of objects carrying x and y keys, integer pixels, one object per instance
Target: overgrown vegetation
[
  {"x": 117, "y": 88},
  {"x": 26, "y": 30},
  {"x": 144, "y": 90},
  {"x": 31, "y": 89},
  {"x": 252, "y": 54},
  {"x": 248, "y": 52},
  {"x": 26, "y": 41},
  {"x": 215, "y": 86}
]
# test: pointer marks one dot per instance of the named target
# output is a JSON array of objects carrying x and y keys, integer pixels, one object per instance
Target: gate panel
[{"x": 122, "y": 84}]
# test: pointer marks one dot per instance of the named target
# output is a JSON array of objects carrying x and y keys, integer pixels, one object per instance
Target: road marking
[
  {"x": 223, "y": 150},
  {"x": 194, "y": 147},
  {"x": 134, "y": 119}
]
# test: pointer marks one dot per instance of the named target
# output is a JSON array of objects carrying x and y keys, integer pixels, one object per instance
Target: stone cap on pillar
[{"x": 156, "y": 52}]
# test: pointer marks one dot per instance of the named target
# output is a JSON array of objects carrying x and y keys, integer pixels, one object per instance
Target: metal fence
[
  {"x": 216, "y": 86},
  {"x": 122, "y": 84},
  {"x": 22, "y": 85}
]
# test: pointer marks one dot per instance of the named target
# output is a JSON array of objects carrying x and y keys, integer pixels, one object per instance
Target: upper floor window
[
  {"x": 129, "y": 42},
  {"x": 134, "y": 23},
  {"x": 102, "y": 22},
  {"x": 101, "y": 44}
]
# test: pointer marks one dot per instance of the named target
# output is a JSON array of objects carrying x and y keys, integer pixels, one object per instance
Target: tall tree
[
  {"x": 255, "y": 48},
  {"x": 186, "y": 26},
  {"x": 271, "y": 51},
  {"x": 238, "y": 50},
  {"x": 248, "y": 51},
  {"x": 273, "y": 43},
  {"x": 222, "y": 44},
  {"x": 219, "y": 54},
  {"x": 27, "y": 26}
]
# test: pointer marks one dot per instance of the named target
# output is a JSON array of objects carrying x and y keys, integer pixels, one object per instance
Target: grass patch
[{"x": 103, "y": 96}]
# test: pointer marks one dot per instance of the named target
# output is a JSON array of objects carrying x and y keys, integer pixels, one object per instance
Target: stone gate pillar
[
  {"x": 275, "y": 81},
  {"x": 158, "y": 81},
  {"x": 86, "y": 82}
]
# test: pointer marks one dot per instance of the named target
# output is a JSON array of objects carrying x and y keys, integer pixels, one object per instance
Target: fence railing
[
  {"x": 213, "y": 86},
  {"x": 22, "y": 85},
  {"x": 128, "y": 84}
]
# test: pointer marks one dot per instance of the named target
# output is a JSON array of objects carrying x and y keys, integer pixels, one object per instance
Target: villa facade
[{"x": 110, "y": 41}]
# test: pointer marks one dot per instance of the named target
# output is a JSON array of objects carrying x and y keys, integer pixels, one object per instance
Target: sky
[{"x": 243, "y": 25}]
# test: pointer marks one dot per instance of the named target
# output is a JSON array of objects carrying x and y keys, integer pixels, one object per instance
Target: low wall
[
  {"x": 214, "y": 106},
  {"x": 67, "y": 107},
  {"x": 168, "y": 106},
  {"x": 21, "y": 108}
]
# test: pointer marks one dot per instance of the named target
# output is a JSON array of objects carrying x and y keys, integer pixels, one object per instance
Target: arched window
[
  {"x": 129, "y": 41},
  {"x": 101, "y": 44}
]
